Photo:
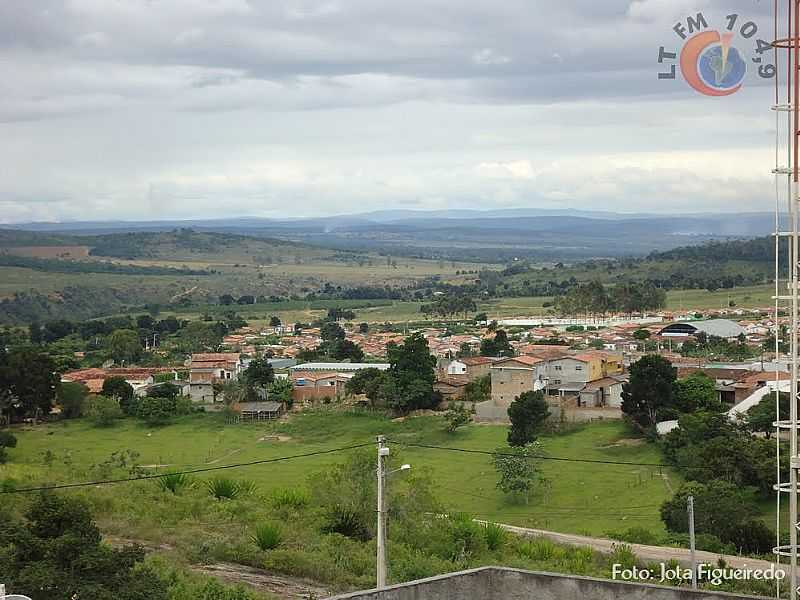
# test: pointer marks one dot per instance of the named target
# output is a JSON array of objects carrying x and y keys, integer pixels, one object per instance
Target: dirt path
[
  {"x": 646, "y": 553},
  {"x": 264, "y": 581}
]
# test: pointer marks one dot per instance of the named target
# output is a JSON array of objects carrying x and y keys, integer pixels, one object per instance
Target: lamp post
[{"x": 383, "y": 452}]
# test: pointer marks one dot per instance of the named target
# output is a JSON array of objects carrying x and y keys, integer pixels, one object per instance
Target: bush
[
  {"x": 102, "y": 411},
  {"x": 347, "y": 522},
  {"x": 467, "y": 537},
  {"x": 289, "y": 498},
  {"x": 157, "y": 410},
  {"x": 267, "y": 536},
  {"x": 496, "y": 536},
  {"x": 636, "y": 535},
  {"x": 7, "y": 440},
  {"x": 540, "y": 549},
  {"x": 174, "y": 482},
  {"x": 223, "y": 488}
]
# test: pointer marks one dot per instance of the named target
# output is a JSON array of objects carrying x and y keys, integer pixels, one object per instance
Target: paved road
[{"x": 646, "y": 553}]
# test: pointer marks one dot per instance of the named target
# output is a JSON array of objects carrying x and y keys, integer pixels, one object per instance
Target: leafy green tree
[
  {"x": 697, "y": 392},
  {"x": 281, "y": 390},
  {"x": 29, "y": 376},
  {"x": 497, "y": 346},
  {"x": 70, "y": 397},
  {"x": 518, "y": 470},
  {"x": 760, "y": 418},
  {"x": 363, "y": 327},
  {"x": 331, "y": 331},
  {"x": 122, "y": 391},
  {"x": 102, "y": 411},
  {"x": 259, "y": 373},
  {"x": 412, "y": 375},
  {"x": 124, "y": 345},
  {"x": 650, "y": 391},
  {"x": 641, "y": 335},
  {"x": 57, "y": 552},
  {"x": 723, "y": 509},
  {"x": 528, "y": 414},
  {"x": 274, "y": 321},
  {"x": 478, "y": 390},
  {"x": 160, "y": 405},
  {"x": 7, "y": 440},
  {"x": 456, "y": 416},
  {"x": 367, "y": 381},
  {"x": 346, "y": 350}
]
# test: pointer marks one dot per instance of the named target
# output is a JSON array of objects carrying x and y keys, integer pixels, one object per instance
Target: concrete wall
[{"x": 493, "y": 583}]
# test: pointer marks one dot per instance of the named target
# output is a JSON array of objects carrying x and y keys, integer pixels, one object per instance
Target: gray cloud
[{"x": 148, "y": 108}]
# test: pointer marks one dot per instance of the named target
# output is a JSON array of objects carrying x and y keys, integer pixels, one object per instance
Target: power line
[
  {"x": 554, "y": 458},
  {"x": 63, "y": 486},
  {"x": 562, "y": 508}
]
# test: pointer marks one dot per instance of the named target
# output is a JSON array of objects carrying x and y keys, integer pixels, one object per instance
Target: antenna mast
[{"x": 787, "y": 236}]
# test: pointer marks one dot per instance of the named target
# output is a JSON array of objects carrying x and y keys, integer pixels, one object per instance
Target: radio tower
[{"x": 787, "y": 272}]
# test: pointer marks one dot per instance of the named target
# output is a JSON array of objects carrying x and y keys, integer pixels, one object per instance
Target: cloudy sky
[{"x": 146, "y": 109}]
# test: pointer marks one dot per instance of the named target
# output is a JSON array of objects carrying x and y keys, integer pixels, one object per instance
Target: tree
[
  {"x": 760, "y": 417},
  {"x": 478, "y": 390},
  {"x": 412, "y": 374},
  {"x": 517, "y": 469},
  {"x": 31, "y": 379},
  {"x": 122, "y": 391},
  {"x": 367, "y": 381},
  {"x": 281, "y": 390},
  {"x": 346, "y": 350},
  {"x": 7, "y": 440},
  {"x": 124, "y": 345},
  {"x": 259, "y": 373},
  {"x": 528, "y": 413},
  {"x": 456, "y": 416},
  {"x": 226, "y": 299},
  {"x": 497, "y": 346},
  {"x": 274, "y": 321},
  {"x": 696, "y": 392},
  {"x": 641, "y": 335},
  {"x": 70, "y": 397},
  {"x": 58, "y": 551},
  {"x": 102, "y": 411},
  {"x": 723, "y": 509},
  {"x": 155, "y": 410},
  {"x": 363, "y": 327},
  {"x": 331, "y": 331},
  {"x": 650, "y": 390}
]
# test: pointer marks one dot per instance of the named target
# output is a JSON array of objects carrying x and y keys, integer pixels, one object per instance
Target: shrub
[
  {"x": 102, "y": 411},
  {"x": 623, "y": 555},
  {"x": 347, "y": 522},
  {"x": 636, "y": 535},
  {"x": 540, "y": 549},
  {"x": 467, "y": 536},
  {"x": 496, "y": 536},
  {"x": 7, "y": 440},
  {"x": 267, "y": 536},
  {"x": 289, "y": 498},
  {"x": 223, "y": 488},
  {"x": 174, "y": 482}
]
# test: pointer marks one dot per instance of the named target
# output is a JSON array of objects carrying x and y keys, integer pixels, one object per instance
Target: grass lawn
[
  {"x": 577, "y": 498},
  {"x": 759, "y": 296}
]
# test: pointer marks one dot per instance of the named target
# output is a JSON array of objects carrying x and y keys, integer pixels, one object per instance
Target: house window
[
  {"x": 556, "y": 382},
  {"x": 579, "y": 367},
  {"x": 557, "y": 367}
]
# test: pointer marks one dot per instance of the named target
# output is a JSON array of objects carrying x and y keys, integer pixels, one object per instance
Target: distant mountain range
[{"x": 492, "y": 235}]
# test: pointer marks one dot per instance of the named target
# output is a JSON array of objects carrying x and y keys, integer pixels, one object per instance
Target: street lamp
[{"x": 383, "y": 452}]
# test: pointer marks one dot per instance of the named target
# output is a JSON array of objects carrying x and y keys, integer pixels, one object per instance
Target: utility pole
[
  {"x": 690, "y": 508},
  {"x": 383, "y": 452}
]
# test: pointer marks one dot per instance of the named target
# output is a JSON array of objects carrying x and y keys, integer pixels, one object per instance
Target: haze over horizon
[{"x": 199, "y": 109}]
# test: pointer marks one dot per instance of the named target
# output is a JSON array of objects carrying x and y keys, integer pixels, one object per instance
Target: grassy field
[
  {"x": 578, "y": 497},
  {"x": 759, "y": 296}
]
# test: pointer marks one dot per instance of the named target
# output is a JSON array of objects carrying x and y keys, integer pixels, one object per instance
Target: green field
[
  {"x": 759, "y": 296},
  {"x": 578, "y": 497}
]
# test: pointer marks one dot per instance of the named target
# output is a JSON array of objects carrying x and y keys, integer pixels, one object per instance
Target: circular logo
[
  {"x": 712, "y": 65},
  {"x": 721, "y": 68}
]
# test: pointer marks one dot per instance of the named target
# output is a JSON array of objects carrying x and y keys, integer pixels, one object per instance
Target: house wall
[
  {"x": 569, "y": 370},
  {"x": 491, "y": 583},
  {"x": 508, "y": 383},
  {"x": 201, "y": 393},
  {"x": 477, "y": 371},
  {"x": 456, "y": 368}
]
